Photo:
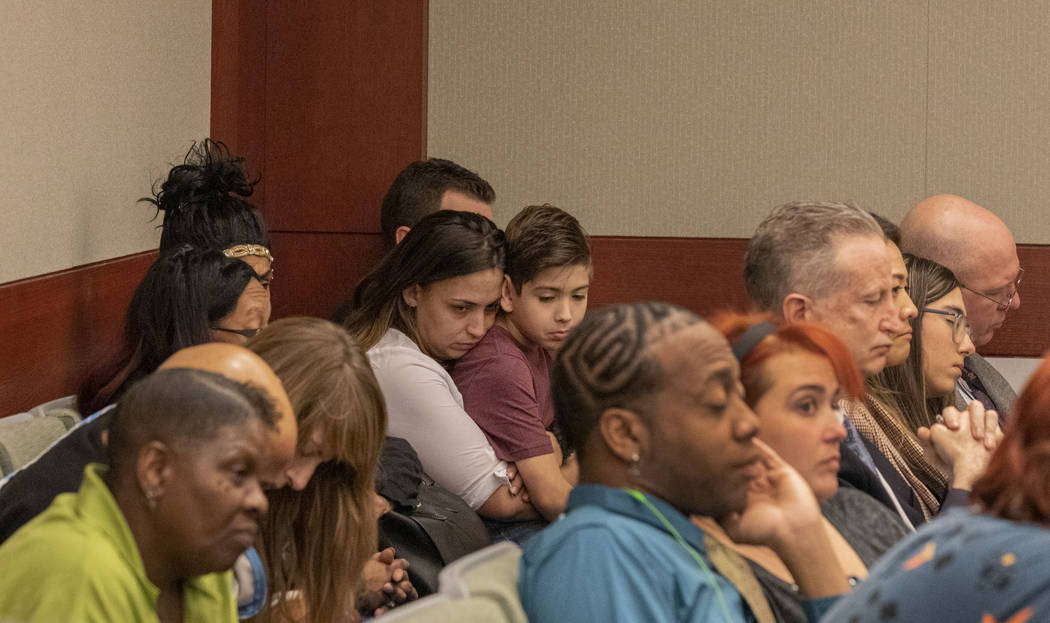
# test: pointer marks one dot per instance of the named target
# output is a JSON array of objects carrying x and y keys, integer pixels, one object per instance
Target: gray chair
[
  {"x": 479, "y": 588},
  {"x": 25, "y": 436}
]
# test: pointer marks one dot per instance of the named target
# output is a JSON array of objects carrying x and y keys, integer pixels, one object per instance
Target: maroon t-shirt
[{"x": 507, "y": 391}]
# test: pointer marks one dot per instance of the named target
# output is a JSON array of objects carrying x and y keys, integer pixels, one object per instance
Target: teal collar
[{"x": 623, "y": 503}]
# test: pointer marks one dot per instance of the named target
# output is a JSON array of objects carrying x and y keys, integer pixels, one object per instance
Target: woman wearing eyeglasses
[
  {"x": 906, "y": 400},
  {"x": 187, "y": 297}
]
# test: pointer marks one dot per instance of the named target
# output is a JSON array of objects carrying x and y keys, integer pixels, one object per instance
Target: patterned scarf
[{"x": 902, "y": 449}]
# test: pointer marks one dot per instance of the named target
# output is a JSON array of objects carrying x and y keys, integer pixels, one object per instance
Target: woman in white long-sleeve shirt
[{"x": 430, "y": 300}]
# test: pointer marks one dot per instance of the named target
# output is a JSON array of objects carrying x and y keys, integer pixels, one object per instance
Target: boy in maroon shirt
[{"x": 505, "y": 379}]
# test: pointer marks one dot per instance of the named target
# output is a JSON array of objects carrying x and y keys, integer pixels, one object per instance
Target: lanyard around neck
[{"x": 704, "y": 568}]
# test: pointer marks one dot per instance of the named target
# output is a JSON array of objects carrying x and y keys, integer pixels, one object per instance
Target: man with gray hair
[
  {"x": 946, "y": 229},
  {"x": 827, "y": 263}
]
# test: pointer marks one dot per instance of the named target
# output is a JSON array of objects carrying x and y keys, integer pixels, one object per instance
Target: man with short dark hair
[
  {"x": 421, "y": 188},
  {"x": 649, "y": 396},
  {"x": 427, "y": 186},
  {"x": 979, "y": 248}
]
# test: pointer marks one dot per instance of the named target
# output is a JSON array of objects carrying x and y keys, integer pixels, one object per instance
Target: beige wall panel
[
  {"x": 98, "y": 97},
  {"x": 681, "y": 118},
  {"x": 989, "y": 120}
]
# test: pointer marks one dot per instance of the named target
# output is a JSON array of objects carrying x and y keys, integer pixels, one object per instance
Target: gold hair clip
[{"x": 242, "y": 250}]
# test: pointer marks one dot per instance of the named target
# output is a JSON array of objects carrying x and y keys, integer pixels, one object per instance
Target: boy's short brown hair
[{"x": 542, "y": 237}]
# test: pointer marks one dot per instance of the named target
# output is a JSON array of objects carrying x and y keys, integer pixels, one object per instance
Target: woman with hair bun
[
  {"x": 205, "y": 200},
  {"x": 205, "y": 205},
  {"x": 188, "y": 297}
]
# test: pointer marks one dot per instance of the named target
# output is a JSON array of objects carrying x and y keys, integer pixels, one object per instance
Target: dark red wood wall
[
  {"x": 327, "y": 100},
  {"x": 54, "y": 327}
]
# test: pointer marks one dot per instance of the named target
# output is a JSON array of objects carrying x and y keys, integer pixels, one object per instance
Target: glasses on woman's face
[
  {"x": 1001, "y": 305},
  {"x": 960, "y": 325},
  {"x": 248, "y": 333},
  {"x": 264, "y": 279}
]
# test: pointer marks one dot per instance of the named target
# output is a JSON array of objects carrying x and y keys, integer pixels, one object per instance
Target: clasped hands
[
  {"x": 962, "y": 443},
  {"x": 386, "y": 583}
]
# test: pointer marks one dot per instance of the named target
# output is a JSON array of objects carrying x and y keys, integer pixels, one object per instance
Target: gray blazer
[{"x": 997, "y": 387}]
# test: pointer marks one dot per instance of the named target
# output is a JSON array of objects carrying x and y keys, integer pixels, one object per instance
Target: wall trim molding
[
  {"x": 57, "y": 325},
  {"x": 151, "y": 253}
]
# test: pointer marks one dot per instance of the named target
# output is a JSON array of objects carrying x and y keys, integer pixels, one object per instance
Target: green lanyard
[{"x": 638, "y": 495}]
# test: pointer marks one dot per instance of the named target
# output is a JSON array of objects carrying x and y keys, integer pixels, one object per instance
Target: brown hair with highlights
[{"x": 317, "y": 540}]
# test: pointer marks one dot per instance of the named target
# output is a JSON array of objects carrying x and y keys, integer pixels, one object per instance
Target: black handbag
[{"x": 439, "y": 529}]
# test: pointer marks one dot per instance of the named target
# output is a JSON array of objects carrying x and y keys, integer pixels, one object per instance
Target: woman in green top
[{"x": 151, "y": 537}]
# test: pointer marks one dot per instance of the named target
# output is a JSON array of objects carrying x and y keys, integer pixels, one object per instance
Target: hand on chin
[{"x": 779, "y": 501}]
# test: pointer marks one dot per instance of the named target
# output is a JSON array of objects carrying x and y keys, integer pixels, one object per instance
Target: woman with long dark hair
[
  {"x": 905, "y": 400},
  {"x": 428, "y": 302},
  {"x": 187, "y": 297}
]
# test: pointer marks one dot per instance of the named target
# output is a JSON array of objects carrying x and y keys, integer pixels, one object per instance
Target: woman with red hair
[
  {"x": 794, "y": 377},
  {"x": 987, "y": 563}
]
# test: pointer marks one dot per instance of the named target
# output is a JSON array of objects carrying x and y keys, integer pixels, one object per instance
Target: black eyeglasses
[
  {"x": 999, "y": 305},
  {"x": 248, "y": 333},
  {"x": 264, "y": 279},
  {"x": 960, "y": 325}
]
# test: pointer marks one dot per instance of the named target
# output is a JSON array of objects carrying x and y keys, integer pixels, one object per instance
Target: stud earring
[
  {"x": 151, "y": 499},
  {"x": 632, "y": 470}
]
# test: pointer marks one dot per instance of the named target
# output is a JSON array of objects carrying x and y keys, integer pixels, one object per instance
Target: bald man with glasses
[{"x": 944, "y": 228}]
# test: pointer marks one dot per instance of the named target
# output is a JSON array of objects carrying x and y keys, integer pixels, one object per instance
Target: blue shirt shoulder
[{"x": 610, "y": 559}]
